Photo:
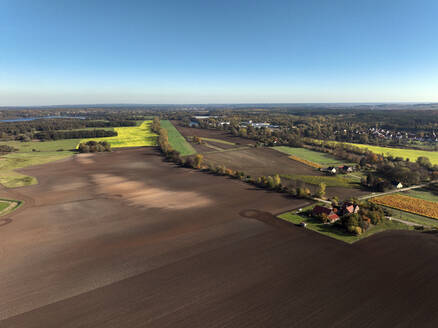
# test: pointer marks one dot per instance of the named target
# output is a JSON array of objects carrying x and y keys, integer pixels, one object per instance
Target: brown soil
[
  {"x": 127, "y": 240},
  {"x": 260, "y": 161},
  {"x": 215, "y": 134}
]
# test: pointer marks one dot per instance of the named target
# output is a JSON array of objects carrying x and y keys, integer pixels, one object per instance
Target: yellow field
[
  {"x": 412, "y": 154},
  {"x": 135, "y": 136},
  {"x": 409, "y": 204}
]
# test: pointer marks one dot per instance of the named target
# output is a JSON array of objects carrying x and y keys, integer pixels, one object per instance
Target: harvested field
[
  {"x": 260, "y": 161},
  {"x": 93, "y": 247},
  {"x": 212, "y": 134}
]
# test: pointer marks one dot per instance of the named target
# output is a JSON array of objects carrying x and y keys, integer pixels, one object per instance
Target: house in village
[
  {"x": 346, "y": 169},
  {"x": 334, "y": 214},
  {"x": 349, "y": 208},
  {"x": 331, "y": 170},
  {"x": 322, "y": 211},
  {"x": 397, "y": 185}
]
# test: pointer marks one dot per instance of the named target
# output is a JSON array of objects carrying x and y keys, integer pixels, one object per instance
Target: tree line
[{"x": 75, "y": 134}]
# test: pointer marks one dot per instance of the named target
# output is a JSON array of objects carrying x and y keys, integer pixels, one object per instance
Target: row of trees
[
  {"x": 25, "y": 131},
  {"x": 74, "y": 134},
  {"x": 94, "y": 147}
]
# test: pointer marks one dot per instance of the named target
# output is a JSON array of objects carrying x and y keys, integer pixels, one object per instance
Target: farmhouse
[
  {"x": 346, "y": 169},
  {"x": 325, "y": 211},
  {"x": 349, "y": 208},
  {"x": 398, "y": 185},
  {"x": 330, "y": 170}
]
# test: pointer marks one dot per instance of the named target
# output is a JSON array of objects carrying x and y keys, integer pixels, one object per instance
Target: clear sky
[{"x": 217, "y": 51}]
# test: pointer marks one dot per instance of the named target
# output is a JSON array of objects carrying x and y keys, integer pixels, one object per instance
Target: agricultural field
[
  {"x": 213, "y": 134},
  {"x": 332, "y": 231},
  {"x": 138, "y": 136},
  {"x": 42, "y": 146},
  {"x": 411, "y": 217},
  {"x": 311, "y": 156},
  {"x": 11, "y": 162},
  {"x": 127, "y": 242},
  {"x": 218, "y": 141},
  {"x": 412, "y": 154},
  {"x": 421, "y": 193},
  {"x": 409, "y": 204},
  {"x": 330, "y": 181},
  {"x": 176, "y": 140}
]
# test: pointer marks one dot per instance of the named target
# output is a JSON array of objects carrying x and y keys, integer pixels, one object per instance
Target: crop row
[{"x": 409, "y": 204}]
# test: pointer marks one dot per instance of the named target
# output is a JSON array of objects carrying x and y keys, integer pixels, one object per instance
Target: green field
[
  {"x": 334, "y": 232},
  {"x": 310, "y": 155},
  {"x": 330, "y": 181},
  {"x": 422, "y": 194},
  {"x": 135, "y": 136},
  {"x": 412, "y": 154},
  {"x": 10, "y": 162},
  {"x": 43, "y": 146},
  {"x": 176, "y": 140}
]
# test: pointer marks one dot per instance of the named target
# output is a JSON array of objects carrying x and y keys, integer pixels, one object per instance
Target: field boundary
[{"x": 305, "y": 161}]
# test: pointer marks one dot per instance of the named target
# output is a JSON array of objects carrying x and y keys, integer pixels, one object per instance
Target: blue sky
[{"x": 199, "y": 51}]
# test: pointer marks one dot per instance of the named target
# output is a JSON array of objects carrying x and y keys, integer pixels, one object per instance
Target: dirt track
[{"x": 94, "y": 246}]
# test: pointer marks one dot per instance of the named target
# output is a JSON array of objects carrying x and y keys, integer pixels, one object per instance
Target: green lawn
[
  {"x": 333, "y": 231},
  {"x": 135, "y": 136},
  {"x": 421, "y": 193},
  {"x": 10, "y": 162},
  {"x": 310, "y": 155},
  {"x": 330, "y": 181},
  {"x": 176, "y": 140}
]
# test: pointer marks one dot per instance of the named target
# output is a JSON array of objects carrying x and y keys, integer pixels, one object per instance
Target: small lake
[{"x": 26, "y": 119}]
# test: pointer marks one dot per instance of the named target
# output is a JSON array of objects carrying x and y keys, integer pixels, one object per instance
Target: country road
[{"x": 372, "y": 195}]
